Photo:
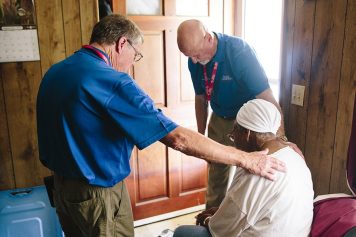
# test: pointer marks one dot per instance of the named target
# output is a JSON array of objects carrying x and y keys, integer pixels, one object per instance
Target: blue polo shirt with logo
[
  {"x": 90, "y": 116},
  {"x": 239, "y": 78}
]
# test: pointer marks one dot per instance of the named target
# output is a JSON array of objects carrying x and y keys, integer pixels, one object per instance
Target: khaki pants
[
  {"x": 218, "y": 174},
  {"x": 90, "y": 211}
]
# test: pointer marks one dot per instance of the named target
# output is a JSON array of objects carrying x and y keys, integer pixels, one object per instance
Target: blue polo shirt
[
  {"x": 239, "y": 78},
  {"x": 90, "y": 116}
]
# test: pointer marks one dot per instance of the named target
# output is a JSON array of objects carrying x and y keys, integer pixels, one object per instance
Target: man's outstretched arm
[{"x": 195, "y": 144}]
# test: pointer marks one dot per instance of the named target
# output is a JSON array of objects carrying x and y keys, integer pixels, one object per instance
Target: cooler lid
[{"x": 351, "y": 156}]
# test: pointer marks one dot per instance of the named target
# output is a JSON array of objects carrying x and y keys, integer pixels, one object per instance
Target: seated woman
[{"x": 255, "y": 206}]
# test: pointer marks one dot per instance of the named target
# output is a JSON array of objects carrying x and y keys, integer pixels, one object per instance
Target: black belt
[{"x": 225, "y": 117}]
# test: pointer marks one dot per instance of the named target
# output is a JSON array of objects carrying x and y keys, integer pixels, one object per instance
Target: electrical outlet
[{"x": 297, "y": 94}]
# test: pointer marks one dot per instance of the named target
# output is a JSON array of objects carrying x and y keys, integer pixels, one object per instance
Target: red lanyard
[
  {"x": 98, "y": 53},
  {"x": 209, "y": 85}
]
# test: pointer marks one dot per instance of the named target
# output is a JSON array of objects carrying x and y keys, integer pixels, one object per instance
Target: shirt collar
[
  {"x": 219, "y": 55},
  {"x": 96, "y": 55}
]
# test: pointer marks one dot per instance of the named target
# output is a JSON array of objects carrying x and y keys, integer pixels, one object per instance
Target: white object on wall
[
  {"x": 297, "y": 95},
  {"x": 17, "y": 45}
]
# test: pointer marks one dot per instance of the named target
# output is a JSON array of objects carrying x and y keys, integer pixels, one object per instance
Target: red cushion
[{"x": 333, "y": 217}]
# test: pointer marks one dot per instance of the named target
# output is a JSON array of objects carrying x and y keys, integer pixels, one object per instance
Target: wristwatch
[{"x": 206, "y": 221}]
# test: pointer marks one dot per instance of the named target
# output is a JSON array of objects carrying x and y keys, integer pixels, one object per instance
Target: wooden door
[{"x": 163, "y": 180}]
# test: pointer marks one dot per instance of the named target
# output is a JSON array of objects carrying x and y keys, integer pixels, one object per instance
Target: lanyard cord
[
  {"x": 209, "y": 85},
  {"x": 98, "y": 53}
]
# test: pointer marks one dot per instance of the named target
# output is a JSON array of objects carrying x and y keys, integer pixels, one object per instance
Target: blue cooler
[{"x": 28, "y": 213}]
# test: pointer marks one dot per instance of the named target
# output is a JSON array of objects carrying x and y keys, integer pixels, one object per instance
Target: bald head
[{"x": 190, "y": 35}]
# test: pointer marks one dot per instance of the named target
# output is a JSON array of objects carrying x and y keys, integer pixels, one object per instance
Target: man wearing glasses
[
  {"x": 138, "y": 55},
  {"x": 90, "y": 114}
]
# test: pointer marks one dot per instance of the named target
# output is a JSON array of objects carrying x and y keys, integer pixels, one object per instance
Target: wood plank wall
[
  {"x": 63, "y": 26},
  {"x": 319, "y": 52}
]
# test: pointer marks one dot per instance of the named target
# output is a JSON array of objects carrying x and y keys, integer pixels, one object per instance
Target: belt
[
  {"x": 225, "y": 117},
  {"x": 228, "y": 118}
]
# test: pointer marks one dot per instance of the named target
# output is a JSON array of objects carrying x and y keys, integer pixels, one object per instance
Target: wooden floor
[{"x": 155, "y": 229}]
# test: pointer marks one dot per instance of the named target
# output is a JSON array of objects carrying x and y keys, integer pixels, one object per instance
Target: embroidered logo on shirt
[{"x": 226, "y": 78}]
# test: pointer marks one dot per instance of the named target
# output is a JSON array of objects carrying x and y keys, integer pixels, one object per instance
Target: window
[
  {"x": 261, "y": 28},
  {"x": 192, "y": 8},
  {"x": 139, "y": 7}
]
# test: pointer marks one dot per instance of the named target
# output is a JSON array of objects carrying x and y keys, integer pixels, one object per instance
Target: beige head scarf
[{"x": 259, "y": 116}]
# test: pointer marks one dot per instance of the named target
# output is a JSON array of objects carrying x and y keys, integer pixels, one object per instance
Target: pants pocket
[
  {"x": 122, "y": 213},
  {"x": 89, "y": 215}
]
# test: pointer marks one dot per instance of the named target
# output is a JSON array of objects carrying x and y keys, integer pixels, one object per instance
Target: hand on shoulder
[{"x": 259, "y": 163}]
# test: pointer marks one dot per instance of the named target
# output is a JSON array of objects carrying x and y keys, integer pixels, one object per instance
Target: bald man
[{"x": 225, "y": 72}]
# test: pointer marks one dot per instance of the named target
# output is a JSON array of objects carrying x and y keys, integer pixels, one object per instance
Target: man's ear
[
  {"x": 210, "y": 37},
  {"x": 120, "y": 44}
]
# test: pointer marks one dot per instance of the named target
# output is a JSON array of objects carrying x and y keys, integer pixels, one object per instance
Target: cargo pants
[
  {"x": 218, "y": 174},
  {"x": 86, "y": 210}
]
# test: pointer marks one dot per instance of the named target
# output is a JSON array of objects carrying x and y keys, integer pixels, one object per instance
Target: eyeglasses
[
  {"x": 231, "y": 137},
  {"x": 138, "y": 55}
]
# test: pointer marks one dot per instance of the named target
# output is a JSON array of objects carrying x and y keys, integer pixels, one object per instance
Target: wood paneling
[
  {"x": 301, "y": 63},
  {"x": 60, "y": 33},
  {"x": 71, "y": 22},
  {"x": 89, "y": 15},
  {"x": 21, "y": 81},
  {"x": 50, "y": 32},
  {"x": 324, "y": 89},
  {"x": 287, "y": 58},
  {"x": 321, "y": 42},
  {"x": 345, "y": 107},
  {"x": 7, "y": 178},
  {"x": 119, "y": 7}
]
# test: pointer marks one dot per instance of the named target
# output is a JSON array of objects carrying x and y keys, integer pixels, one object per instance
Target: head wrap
[{"x": 259, "y": 116}]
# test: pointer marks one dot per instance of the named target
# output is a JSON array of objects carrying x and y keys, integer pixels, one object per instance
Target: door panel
[
  {"x": 149, "y": 72},
  {"x": 151, "y": 173},
  {"x": 193, "y": 174},
  {"x": 187, "y": 91},
  {"x": 163, "y": 180}
]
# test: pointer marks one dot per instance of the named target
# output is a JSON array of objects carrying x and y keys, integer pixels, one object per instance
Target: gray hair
[{"x": 111, "y": 28}]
